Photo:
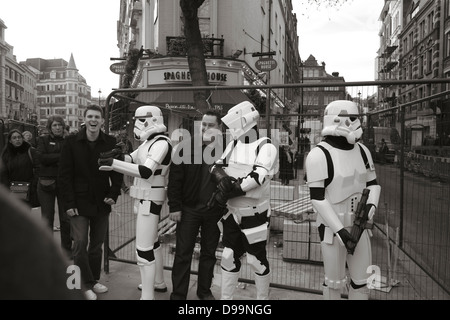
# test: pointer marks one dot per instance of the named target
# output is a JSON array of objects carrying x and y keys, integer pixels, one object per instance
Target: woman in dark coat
[
  {"x": 286, "y": 164},
  {"x": 49, "y": 149},
  {"x": 20, "y": 163}
]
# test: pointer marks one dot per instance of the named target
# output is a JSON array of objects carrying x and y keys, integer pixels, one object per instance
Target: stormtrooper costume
[
  {"x": 337, "y": 170},
  {"x": 149, "y": 164},
  {"x": 243, "y": 175}
]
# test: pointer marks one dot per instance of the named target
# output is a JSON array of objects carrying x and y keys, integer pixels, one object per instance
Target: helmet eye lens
[{"x": 353, "y": 119}]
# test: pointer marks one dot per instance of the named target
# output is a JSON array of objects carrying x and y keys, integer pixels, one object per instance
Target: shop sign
[
  {"x": 117, "y": 68},
  {"x": 266, "y": 64}
]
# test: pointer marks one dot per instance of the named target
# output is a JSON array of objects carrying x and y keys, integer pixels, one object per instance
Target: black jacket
[
  {"x": 49, "y": 148},
  {"x": 17, "y": 165},
  {"x": 21, "y": 164},
  {"x": 185, "y": 184},
  {"x": 82, "y": 184}
]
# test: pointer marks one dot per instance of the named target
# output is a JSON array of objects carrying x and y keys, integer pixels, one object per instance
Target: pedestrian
[
  {"x": 127, "y": 148},
  {"x": 88, "y": 195},
  {"x": 286, "y": 164},
  {"x": 28, "y": 137},
  {"x": 337, "y": 172},
  {"x": 383, "y": 150},
  {"x": 20, "y": 168},
  {"x": 189, "y": 189},
  {"x": 49, "y": 150},
  {"x": 243, "y": 175},
  {"x": 149, "y": 165}
]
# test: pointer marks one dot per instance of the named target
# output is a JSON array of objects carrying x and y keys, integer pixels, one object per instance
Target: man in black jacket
[
  {"x": 88, "y": 195},
  {"x": 189, "y": 189}
]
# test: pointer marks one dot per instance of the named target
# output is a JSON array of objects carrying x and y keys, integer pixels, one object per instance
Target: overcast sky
[
  {"x": 51, "y": 29},
  {"x": 344, "y": 37}
]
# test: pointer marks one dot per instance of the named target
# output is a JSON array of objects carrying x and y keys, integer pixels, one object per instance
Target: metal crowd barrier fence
[{"x": 410, "y": 243}]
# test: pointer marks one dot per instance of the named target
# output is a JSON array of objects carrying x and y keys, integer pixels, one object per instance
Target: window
[
  {"x": 421, "y": 104},
  {"x": 429, "y": 60},
  {"x": 430, "y": 22},
  {"x": 422, "y": 30},
  {"x": 447, "y": 45},
  {"x": 329, "y": 99},
  {"x": 203, "y": 19},
  {"x": 421, "y": 66},
  {"x": 410, "y": 40}
]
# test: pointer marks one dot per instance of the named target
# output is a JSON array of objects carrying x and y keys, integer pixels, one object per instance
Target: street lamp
[
  {"x": 360, "y": 106},
  {"x": 99, "y": 93}
]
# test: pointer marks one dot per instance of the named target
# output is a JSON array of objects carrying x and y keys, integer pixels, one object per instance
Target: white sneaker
[
  {"x": 90, "y": 295},
  {"x": 99, "y": 288}
]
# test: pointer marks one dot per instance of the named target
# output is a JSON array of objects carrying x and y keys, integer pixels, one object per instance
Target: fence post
[{"x": 402, "y": 172}]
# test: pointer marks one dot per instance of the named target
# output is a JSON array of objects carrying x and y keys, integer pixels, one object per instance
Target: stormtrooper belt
[
  {"x": 251, "y": 211},
  {"x": 154, "y": 193}
]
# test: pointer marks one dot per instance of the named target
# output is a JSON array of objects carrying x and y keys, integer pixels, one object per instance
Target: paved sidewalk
[{"x": 123, "y": 279}]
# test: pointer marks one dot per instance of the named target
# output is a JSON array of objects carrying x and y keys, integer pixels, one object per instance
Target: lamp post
[
  {"x": 99, "y": 93},
  {"x": 300, "y": 114},
  {"x": 360, "y": 106}
]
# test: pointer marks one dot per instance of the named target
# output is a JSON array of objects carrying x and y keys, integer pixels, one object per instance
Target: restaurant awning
[{"x": 183, "y": 101}]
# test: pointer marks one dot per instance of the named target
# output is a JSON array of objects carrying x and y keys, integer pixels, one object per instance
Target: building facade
[
  {"x": 61, "y": 90},
  {"x": 315, "y": 99},
  {"x": 234, "y": 33},
  {"x": 415, "y": 45},
  {"x": 17, "y": 85},
  {"x": 387, "y": 62}
]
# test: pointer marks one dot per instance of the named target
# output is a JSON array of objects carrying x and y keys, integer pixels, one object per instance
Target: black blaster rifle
[
  {"x": 360, "y": 221},
  {"x": 212, "y": 203}
]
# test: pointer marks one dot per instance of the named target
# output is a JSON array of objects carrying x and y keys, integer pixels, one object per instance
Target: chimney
[{"x": 335, "y": 74}]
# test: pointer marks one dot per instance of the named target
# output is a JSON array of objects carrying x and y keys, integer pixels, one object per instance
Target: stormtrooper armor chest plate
[
  {"x": 240, "y": 164},
  {"x": 350, "y": 175},
  {"x": 148, "y": 150}
]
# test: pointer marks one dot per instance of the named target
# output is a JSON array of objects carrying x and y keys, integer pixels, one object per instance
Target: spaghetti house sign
[
  {"x": 186, "y": 75},
  {"x": 180, "y": 76}
]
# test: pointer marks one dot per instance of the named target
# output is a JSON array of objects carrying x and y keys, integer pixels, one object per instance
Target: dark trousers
[
  {"x": 88, "y": 237},
  {"x": 47, "y": 201},
  {"x": 186, "y": 236}
]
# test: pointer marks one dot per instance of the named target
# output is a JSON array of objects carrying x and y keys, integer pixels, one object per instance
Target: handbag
[
  {"x": 21, "y": 189},
  {"x": 47, "y": 184}
]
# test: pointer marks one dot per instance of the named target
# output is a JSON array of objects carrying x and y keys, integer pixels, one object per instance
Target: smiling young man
[{"x": 88, "y": 195}]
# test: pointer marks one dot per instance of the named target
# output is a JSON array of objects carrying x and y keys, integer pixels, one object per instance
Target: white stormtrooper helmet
[
  {"x": 148, "y": 121},
  {"x": 241, "y": 118},
  {"x": 341, "y": 118}
]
